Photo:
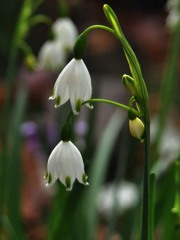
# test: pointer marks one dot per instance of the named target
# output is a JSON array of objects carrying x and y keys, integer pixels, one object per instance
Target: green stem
[
  {"x": 127, "y": 108},
  {"x": 146, "y": 185},
  {"x": 151, "y": 206},
  {"x": 176, "y": 209},
  {"x": 97, "y": 26},
  {"x": 80, "y": 44}
]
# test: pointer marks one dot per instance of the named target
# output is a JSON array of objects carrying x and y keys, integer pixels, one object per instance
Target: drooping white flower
[
  {"x": 52, "y": 56},
  {"x": 65, "y": 30},
  {"x": 173, "y": 17},
  {"x": 65, "y": 162},
  {"x": 74, "y": 83},
  {"x": 124, "y": 196}
]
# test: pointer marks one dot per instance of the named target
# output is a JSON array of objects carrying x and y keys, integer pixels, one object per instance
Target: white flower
[
  {"x": 65, "y": 30},
  {"x": 74, "y": 83},
  {"x": 65, "y": 162},
  {"x": 173, "y": 18},
  {"x": 124, "y": 196},
  {"x": 52, "y": 56}
]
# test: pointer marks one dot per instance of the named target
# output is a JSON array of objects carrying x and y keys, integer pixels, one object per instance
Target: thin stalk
[
  {"x": 141, "y": 97},
  {"x": 146, "y": 185},
  {"x": 96, "y": 26},
  {"x": 116, "y": 104},
  {"x": 176, "y": 209},
  {"x": 151, "y": 206}
]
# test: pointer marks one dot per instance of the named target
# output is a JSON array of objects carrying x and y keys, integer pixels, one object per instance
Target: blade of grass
[
  {"x": 167, "y": 88},
  {"x": 13, "y": 181},
  {"x": 98, "y": 171}
]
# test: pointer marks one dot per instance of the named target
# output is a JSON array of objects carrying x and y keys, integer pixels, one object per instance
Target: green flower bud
[
  {"x": 136, "y": 127},
  {"x": 129, "y": 84},
  {"x": 30, "y": 62}
]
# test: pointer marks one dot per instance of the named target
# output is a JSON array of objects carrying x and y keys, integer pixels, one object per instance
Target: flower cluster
[
  {"x": 74, "y": 83},
  {"x": 65, "y": 162},
  {"x": 53, "y": 53}
]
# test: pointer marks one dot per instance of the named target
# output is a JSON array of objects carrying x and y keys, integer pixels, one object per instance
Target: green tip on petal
[
  {"x": 52, "y": 95},
  {"x": 78, "y": 105},
  {"x": 48, "y": 177},
  {"x": 68, "y": 183},
  {"x": 84, "y": 179},
  {"x": 58, "y": 101}
]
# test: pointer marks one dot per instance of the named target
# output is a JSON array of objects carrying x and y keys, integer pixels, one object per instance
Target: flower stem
[
  {"x": 151, "y": 205},
  {"x": 145, "y": 226},
  {"x": 127, "y": 108},
  {"x": 141, "y": 98}
]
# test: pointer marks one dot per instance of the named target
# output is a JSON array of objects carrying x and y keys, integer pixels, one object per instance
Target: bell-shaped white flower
[
  {"x": 65, "y": 162},
  {"x": 74, "y": 83},
  {"x": 52, "y": 56},
  {"x": 65, "y": 30}
]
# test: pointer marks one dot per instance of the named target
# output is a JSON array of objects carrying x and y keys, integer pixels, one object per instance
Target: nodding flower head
[
  {"x": 65, "y": 31},
  {"x": 52, "y": 56},
  {"x": 66, "y": 164},
  {"x": 74, "y": 83}
]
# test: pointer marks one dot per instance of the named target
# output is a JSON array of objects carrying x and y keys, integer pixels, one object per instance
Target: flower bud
[
  {"x": 30, "y": 62},
  {"x": 129, "y": 84},
  {"x": 136, "y": 127}
]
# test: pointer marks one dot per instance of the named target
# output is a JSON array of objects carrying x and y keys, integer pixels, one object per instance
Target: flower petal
[
  {"x": 64, "y": 164},
  {"x": 52, "y": 56},
  {"x": 80, "y": 87},
  {"x": 51, "y": 165},
  {"x": 66, "y": 31},
  {"x": 77, "y": 164}
]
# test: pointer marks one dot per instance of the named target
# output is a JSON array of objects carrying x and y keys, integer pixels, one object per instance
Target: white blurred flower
[
  {"x": 52, "y": 56},
  {"x": 65, "y": 162},
  {"x": 169, "y": 147},
  {"x": 123, "y": 197},
  {"x": 74, "y": 83},
  {"x": 173, "y": 18},
  {"x": 65, "y": 30}
]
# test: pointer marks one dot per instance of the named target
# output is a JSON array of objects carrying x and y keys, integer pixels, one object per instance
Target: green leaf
[{"x": 98, "y": 171}]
